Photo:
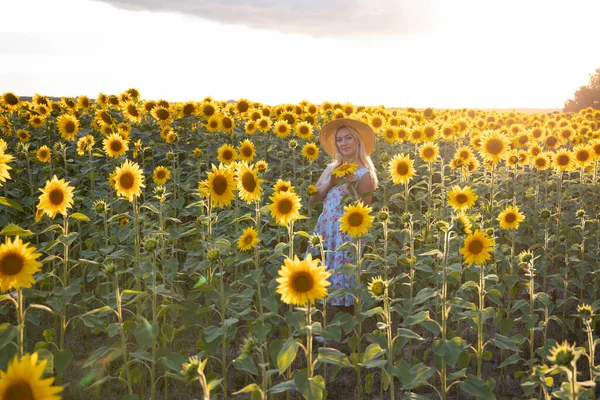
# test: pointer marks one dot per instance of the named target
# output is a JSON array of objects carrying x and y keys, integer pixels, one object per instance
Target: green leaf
[
  {"x": 287, "y": 354},
  {"x": 449, "y": 350},
  {"x": 253, "y": 387},
  {"x": 402, "y": 332},
  {"x": 424, "y": 295},
  {"x": 416, "y": 319},
  {"x": 15, "y": 230},
  {"x": 505, "y": 343},
  {"x": 7, "y": 333},
  {"x": 334, "y": 357},
  {"x": 62, "y": 360},
  {"x": 105, "y": 353},
  {"x": 11, "y": 203},
  {"x": 512, "y": 359},
  {"x": 142, "y": 355},
  {"x": 311, "y": 388},
  {"x": 245, "y": 363},
  {"x": 412, "y": 377},
  {"x": 145, "y": 333},
  {"x": 476, "y": 387},
  {"x": 80, "y": 217},
  {"x": 283, "y": 387}
]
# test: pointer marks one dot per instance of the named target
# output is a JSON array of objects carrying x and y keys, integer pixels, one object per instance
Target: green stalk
[
  {"x": 309, "y": 364},
  {"x": 65, "y": 282},
  {"x": 390, "y": 340},
  {"x": 154, "y": 323},
  {"x": 480, "y": 322},
  {"x": 20, "y": 321},
  {"x": 444, "y": 295},
  {"x": 357, "y": 311},
  {"x": 136, "y": 256},
  {"x": 122, "y": 333},
  {"x": 224, "y": 336}
]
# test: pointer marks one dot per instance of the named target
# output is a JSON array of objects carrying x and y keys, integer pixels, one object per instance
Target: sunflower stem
[
  {"x": 357, "y": 312},
  {"x": 309, "y": 363},
  {"x": 122, "y": 333},
  {"x": 224, "y": 336},
  {"x": 20, "y": 321}
]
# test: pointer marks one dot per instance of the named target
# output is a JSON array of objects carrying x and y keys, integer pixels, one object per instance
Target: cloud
[{"x": 334, "y": 18}]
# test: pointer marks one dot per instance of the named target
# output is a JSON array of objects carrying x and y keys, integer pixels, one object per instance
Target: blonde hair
[{"x": 361, "y": 156}]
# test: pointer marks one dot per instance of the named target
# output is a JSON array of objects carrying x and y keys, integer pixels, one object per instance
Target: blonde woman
[{"x": 346, "y": 141}]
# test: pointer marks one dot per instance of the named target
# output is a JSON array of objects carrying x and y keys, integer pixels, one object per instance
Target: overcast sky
[{"x": 444, "y": 54}]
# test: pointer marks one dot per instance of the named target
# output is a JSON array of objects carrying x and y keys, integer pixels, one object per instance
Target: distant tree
[{"x": 586, "y": 96}]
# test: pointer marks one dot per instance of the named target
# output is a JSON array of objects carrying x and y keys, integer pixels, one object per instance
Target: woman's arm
[
  {"x": 366, "y": 185},
  {"x": 323, "y": 188}
]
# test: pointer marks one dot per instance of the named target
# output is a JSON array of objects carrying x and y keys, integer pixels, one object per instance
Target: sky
[{"x": 396, "y": 53}]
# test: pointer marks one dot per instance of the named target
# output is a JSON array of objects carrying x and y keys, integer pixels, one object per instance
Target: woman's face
[{"x": 346, "y": 143}]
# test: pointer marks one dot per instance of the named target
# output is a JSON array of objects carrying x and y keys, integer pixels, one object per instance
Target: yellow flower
[
  {"x": 68, "y": 126},
  {"x": 128, "y": 180},
  {"x": 83, "y": 103},
  {"x": 357, "y": 219},
  {"x": 462, "y": 224},
  {"x": 461, "y": 198},
  {"x": 477, "y": 248},
  {"x": 282, "y": 128},
  {"x": 171, "y": 137},
  {"x": 301, "y": 282},
  {"x": 250, "y": 127},
  {"x": 551, "y": 142},
  {"x": 377, "y": 287},
  {"x": 261, "y": 165},
  {"x": 312, "y": 189},
  {"x": 213, "y": 123},
  {"x": 283, "y": 186},
  {"x": 583, "y": 155},
  {"x": 85, "y": 144},
  {"x": 242, "y": 106},
  {"x": 304, "y": 130},
  {"x": 227, "y": 124},
  {"x": 162, "y": 114},
  {"x": 264, "y": 124},
  {"x": 344, "y": 170},
  {"x": 494, "y": 146},
  {"x": 390, "y": 134},
  {"x": 285, "y": 207},
  {"x": 226, "y": 154},
  {"x": 123, "y": 221},
  {"x": 37, "y": 121},
  {"x": 188, "y": 109},
  {"x": 541, "y": 161},
  {"x": 43, "y": 154},
  {"x": 248, "y": 183},
  {"x": 246, "y": 151},
  {"x": 17, "y": 265},
  {"x": 10, "y": 101},
  {"x": 510, "y": 218},
  {"x": 161, "y": 175},
  {"x": 56, "y": 197},
  {"x": 563, "y": 355},
  {"x": 23, "y": 135},
  {"x": 401, "y": 169},
  {"x": 219, "y": 186},
  {"x": 23, "y": 380},
  {"x": 310, "y": 151},
  {"x": 563, "y": 160},
  {"x": 115, "y": 146},
  {"x": 207, "y": 109},
  {"x": 429, "y": 152},
  {"x": 248, "y": 239}
]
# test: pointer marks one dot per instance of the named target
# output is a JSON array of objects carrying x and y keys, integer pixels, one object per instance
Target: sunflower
[
  {"x": 162, "y": 114},
  {"x": 282, "y": 128},
  {"x": 462, "y": 224},
  {"x": 188, "y": 109},
  {"x": 246, "y": 151},
  {"x": 390, "y": 134},
  {"x": 10, "y": 101},
  {"x": 37, "y": 121},
  {"x": 115, "y": 146},
  {"x": 220, "y": 185},
  {"x": 248, "y": 183},
  {"x": 494, "y": 146},
  {"x": 283, "y": 186},
  {"x": 285, "y": 207},
  {"x": 510, "y": 218},
  {"x": 248, "y": 239},
  {"x": 23, "y": 135},
  {"x": 43, "y": 154},
  {"x": 161, "y": 175},
  {"x": 564, "y": 355},
  {"x": 461, "y": 198},
  {"x": 595, "y": 148},
  {"x": 132, "y": 112},
  {"x": 377, "y": 121},
  {"x": 563, "y": 160},
  {"x": 416, "y": 135},
  {"x": 128, "y": 180},
  {"x": 56, "y": 197},
  {"x": 171, "y": 137},
  {"x": 104, "y": 118},
  {"x": 551, "y": 142},
  {"x": 583, "y": 155},
  {"x": 207, "y": 109},
  {"x": 17, "y": 265},
  {"x": 464, "y": 153},
  {"x": 43, "y": 110},
  {"x": 344, "y": 170},
  {"x": 250, "y": 127},
  {"x": 226, "y": 154},
  {"x": 430, "y": 133},
  {"x": 264, "y": 124},
  {"x": 83, "y": 103},
  {"x": 227, "y": 124},
  {"x": 357, "y": 219},
  {"x": 310, "y": 151},
  {"x": 303, "y": 281},
  {"x": 23, "y": 380},
  {"x": 261, "y": 166},
  {"x": 68, "y": 126},
  {"x": 429, "y": 152},
  {"x": 304, "y": 130},
  {"x": 477, "y": 248},
  {"x": 541, "y": 161},
  {"x": 312, "y": 189},
  {"x": 401, "y": 169}
]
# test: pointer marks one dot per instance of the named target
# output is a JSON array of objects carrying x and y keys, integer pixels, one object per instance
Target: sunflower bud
[
  {"x": 585, "y": 311},
  {"x": 383, "y": 216},
  {"x": 384, "y": 158},
  {"x": 197, "y": 152},
  {"x": 300, "y": 181},
  {"x": 315, "y": 240},
  {"x": 292, "y": 144},
  {"x": 123, "y": 221},
  {"x": 150, "y": 244},
  {"x": 545, "y": 214},
  {"x": 525, "y": 256},
  {"x": 249, "y": 345},
  {"x": 580, "y": 213},
  {"x": 100, "y": 207},
  {"x": 442, "y": 226},
  {"x": 170, "y": 156},
  {"x": 489, "y": 232},
  {"x": 192, "y": 369},
  {"x": 406, "y": 218},
  {"x": 563, "y": 354},
  {"x": 109, "y": 268},
  {"x": 377, "y": 287},
  {"x": 213, "y": 255}
]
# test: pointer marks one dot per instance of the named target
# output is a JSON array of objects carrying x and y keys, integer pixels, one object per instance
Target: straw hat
[{"x": 327, "y": 135}]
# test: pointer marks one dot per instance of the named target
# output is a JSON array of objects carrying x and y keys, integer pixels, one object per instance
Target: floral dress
[{"x": 328, "y": 226}]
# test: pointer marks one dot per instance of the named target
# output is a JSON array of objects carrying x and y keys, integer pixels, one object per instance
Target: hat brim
[{"x": 327, "y": 134}]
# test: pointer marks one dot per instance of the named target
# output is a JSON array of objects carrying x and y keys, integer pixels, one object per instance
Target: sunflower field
[{"x": 166, "y": 250}]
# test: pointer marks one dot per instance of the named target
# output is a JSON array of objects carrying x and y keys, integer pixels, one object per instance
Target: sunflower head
[
  {"x": 248, "y": 183},
  {"x": 56, "y": 197},
  {"x": 302, "y": 282},
  {"x": 377, "y": 287},
  {"x": 401, "y": 169},
  {"x": 128, "y": 180},
  {"x": 219, "y": 186},
  {"x": 477, "y": 248},
  {"x": 17, "y": 264},
  {"x": 357, "y": 219},
  {"x": 100, "y": 207},
  {"x": 510, "y": 218},
  {"x": 226, "y": 154},
  {"x": 344, "y": 170},
  {"x": 193, "y": 368},
  {"x": 285, "y": 207},
  {"x": 462, "y": 225},
  {"x": 586, "y": 312},
  {"x": 564, "y": 355},
  {"x": 461, "y": 198},
  {"x": 23, "y": 380},
  {"x": 248, "y": 239}
]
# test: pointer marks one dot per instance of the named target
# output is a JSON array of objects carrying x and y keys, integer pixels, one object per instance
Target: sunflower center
[
  {"x": 43, "y": 153},
  {"x": 56, "y": 196},
  {"x": 551, "y": 141},
  {"x": 227, "y": 155},
  {"x": 209, "y": 111},
  {"x": 310, "y": 151},
  {"x": 162, "y": 114},
  {"x": 523, "y": 139},
  {"x": 475, "y": 247},
  {"x": 11, "y": 99},
  {"x": 494, "y": 146},
  {"x": 303, "y": 282},
  {"x": 127, "y": 180},
  {"x": 428, "y": 152},
  {"x": 247, "y": 151},
  {"x": 355, "y": 219},
  {"x": 19, "y": 390},
  {"x": 161, "y": 174},
  {"x": 214, "y": 124},
  {"x": 220, "y": 184},
  {"x": 227, "y": 124},
  {"x": 248, "y": 181},
  {"x": 461, "y": 198},
  {"x": 563, "y": 160},
  {"x": 285, "y": 206},
  {"x": 583, "y": 156},
  {"x": 188, "y": 109},
  {"x": 263, "y": 124},
  {"x": 70, "y": 127},
  {"x": 282, "y": 129},
  {"x": 248, "y": 239},
  {"x": 540, "y": 162},
  {"x": 402, "y": 169},
  {"x": 304, "y": 130},
  {"x": 116, "y": 146},
  {"x": 106, "y": 118},
  {"x": 133, "y": 111},
  {"x": 510, "y": 218},
  {"x": 11, "y": 264}
]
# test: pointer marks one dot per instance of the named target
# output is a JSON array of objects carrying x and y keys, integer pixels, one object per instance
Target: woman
[{"x": 346, "y": 141}]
